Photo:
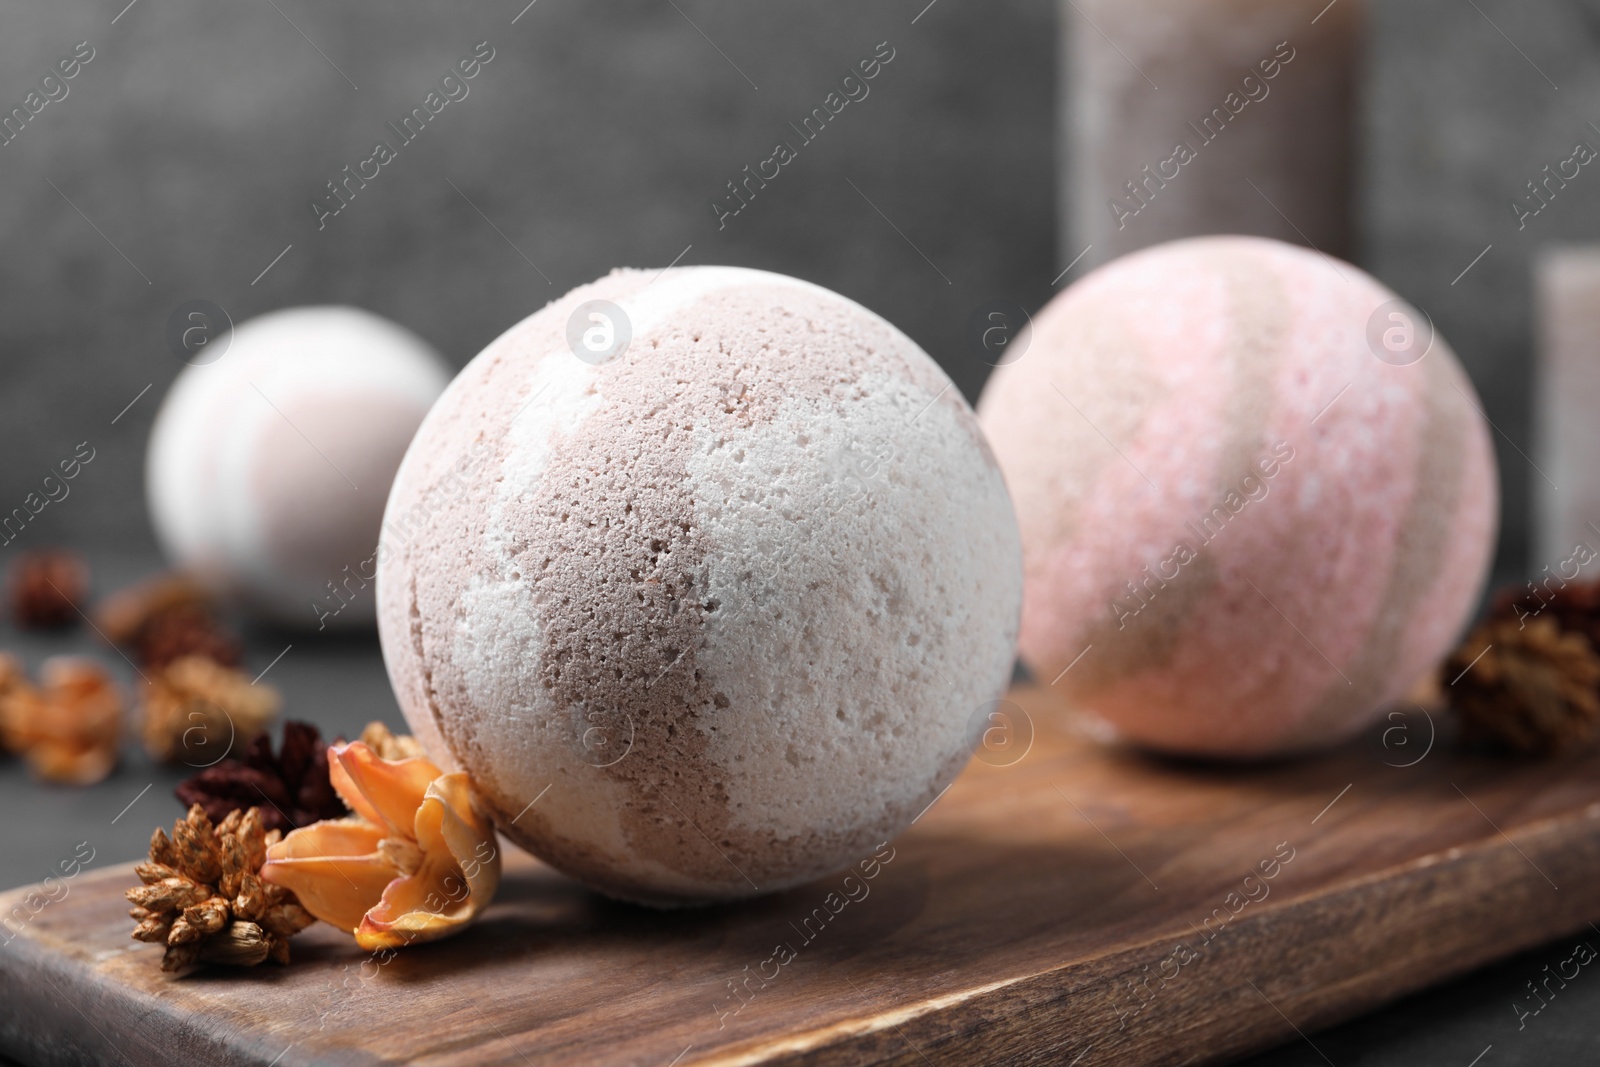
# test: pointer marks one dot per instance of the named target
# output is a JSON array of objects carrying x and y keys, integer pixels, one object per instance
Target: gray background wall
[{"x": 599, "y": 135}]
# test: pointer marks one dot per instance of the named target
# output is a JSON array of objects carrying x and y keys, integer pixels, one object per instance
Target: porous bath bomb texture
[
  {"x": 268, "y": 469},
  {"x": 1253, "y": 531},
  {"x": 710, "y": 619}
]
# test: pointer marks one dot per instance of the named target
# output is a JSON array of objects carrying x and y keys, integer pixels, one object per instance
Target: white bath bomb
[
  {"x": 268, "y": 469},
  {"x": 710, "y": 619}
]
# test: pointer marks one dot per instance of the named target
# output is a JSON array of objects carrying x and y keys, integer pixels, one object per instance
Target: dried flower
[
  {"x": 197, "y": 707},
  {"x": 1529, "y": 686},
  {"x": 186, "y": 631},
  {"x": 122, "y": 615},
  {"x": 46, "y": 588},
  {"x": 292, "y": 787},
  {"x": 1575, "y": 606},
  {"x": 391, "y": 746},
  {"x": 204, "y": 899},
  {"x": 12, "y": 679},
  {"x": 69, "y": 728},
  {"x": 418, "y": 861},
  {"x": 166, "y": 618}
]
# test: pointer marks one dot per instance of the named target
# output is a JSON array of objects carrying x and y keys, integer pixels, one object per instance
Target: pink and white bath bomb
[
  {"x": 1244, "y": 532},
  {"x": 268, "y": 469},
  {"x": 710, "y": 618}
]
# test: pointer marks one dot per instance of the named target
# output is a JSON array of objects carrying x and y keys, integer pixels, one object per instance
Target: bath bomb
[
  {"x": 268, "y": 469},
  {"x": 1257, "y": 495},
  {"x": 710, "y": 613}
]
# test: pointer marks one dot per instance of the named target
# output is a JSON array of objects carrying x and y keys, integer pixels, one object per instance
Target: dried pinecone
[
  {"x": 46, "y": 588},
  {"x": 68, "y": 728},
  {"x": 204, "y": 899},
  {"x": 1527, "y": 685},
  {"x": 292, "y": 787},
  {"x": 198, "y": 709},
  {"x": 391, "y": 746}
]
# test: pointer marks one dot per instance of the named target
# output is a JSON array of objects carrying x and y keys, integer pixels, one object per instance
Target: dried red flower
[
  {"x": 188, "y": 630},
  {"x": 46, "y": 588},
  {"x": 291, "y": 788},
  {"x": 166, "y": 618}
]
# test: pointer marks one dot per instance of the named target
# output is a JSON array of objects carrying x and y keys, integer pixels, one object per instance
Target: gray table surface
[{"x": 341, "y": 685}]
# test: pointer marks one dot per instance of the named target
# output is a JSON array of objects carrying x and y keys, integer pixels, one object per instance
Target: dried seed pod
[
  {"x": 180, "y": 957},
  {"x": 208, "y": 916},
  {"x": 169, "y": 894},
  {"x": 251, "y": 902},
  {"x": 242, "y": 944},
  {"x": 196, "y": 844},
  {"x": 151, "y": 872},
  {"x": 199, "y": 923},
  {"x": 234, "y": 866},
  {"x": 286, "y": 920},
  {"x": 161, "y": 850}
]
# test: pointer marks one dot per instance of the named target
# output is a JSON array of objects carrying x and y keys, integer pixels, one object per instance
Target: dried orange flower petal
[{"x": 418, "y": 862}]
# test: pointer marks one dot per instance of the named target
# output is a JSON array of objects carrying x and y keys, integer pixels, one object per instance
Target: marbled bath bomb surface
[
  {"x": 712, "y": 618},
  {"x": 1243, "y": 532},
  {"x": 268, "y": 468}
]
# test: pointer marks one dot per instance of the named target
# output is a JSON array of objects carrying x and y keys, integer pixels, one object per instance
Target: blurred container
[
  {"x": 1566, "y": 403},
  {"x": 1173, "y": 108}
]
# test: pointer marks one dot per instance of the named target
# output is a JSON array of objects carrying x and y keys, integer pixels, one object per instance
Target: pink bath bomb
[
  {"x": 710, "y": 613},
  {"x": 1256, "y": 503}
]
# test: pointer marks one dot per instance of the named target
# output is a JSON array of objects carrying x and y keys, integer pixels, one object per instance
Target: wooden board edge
[
  {"x": 52, "y": 1017},
  {"x": 1445, "y": 912}
]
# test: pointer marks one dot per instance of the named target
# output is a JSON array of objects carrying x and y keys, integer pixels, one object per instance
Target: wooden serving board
[{"x": 1085, "y": 905}]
